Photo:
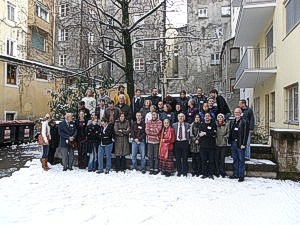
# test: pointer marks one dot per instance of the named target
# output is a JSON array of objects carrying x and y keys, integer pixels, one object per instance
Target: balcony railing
[{"x": 257, "y": 59}]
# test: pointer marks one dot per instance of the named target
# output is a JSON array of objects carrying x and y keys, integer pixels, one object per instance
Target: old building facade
[{"x": 208, "y": 26}]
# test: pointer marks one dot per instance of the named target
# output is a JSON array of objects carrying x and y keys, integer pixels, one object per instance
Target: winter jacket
[
  {"x": 249, "y": 117},
  {"x": 183, "y": 103},
  {"x": 199, "y": 101},
  {"x": 154, "y": 99},
  {"x": 116, "y": 98},
  {"x": 153, "y": 129},
  {"x": 93, "y": 138},
  {"x": 106, "y": 136},
  {"x": 194, "y": 135},
  {"x": 243, "y": 132},
  {"x": 126, "y": 110},
  {"x": 222, "y": 106},
  {"x": 138, "y": 131},
  {"x": 66, "y": 131},
  {"x": 222, "y": 135},
  {"x": 136, "y": 105},
  {"x": 167, "y": 115},
  {"x": 116, "y": 114},
  {"x": 190, "y": 114},
  {"x": 208, "y": 141},
  {"x": 122, "y": 130}
]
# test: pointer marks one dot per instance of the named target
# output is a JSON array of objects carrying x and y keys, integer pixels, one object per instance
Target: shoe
[
  {"x": 247, "y": 159},
  {"x": 65, "y": 169},
  {"x": 106, "y": 172},
  {"x": 185, "y": 175},
  {"x": 211, "y": 177},
  {"x": 198, "y": 174},
  {"x": 233, "y": 177},
  {"x": 218, "y": 175},
  {"x": 241, "y": 179},
  {"x": 70, "y": 168},
  {"x": 178, "y": 174},
  {"x": 99, "y": 171},
  {"x": 143, "y": 172},
  {"x": 193, "y": 174},
  {"x": 203, "y": 177},
  {"x": 90, "y": 170},
  {"x": 151, "y": 172},
  {"x": 167, "y": 174},
  {"x": 223, "y": 175}
]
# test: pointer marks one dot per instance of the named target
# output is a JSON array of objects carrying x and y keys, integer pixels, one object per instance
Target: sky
[
  {"x": 177, "y": 12},
  {"x": 32, "y": 196}
]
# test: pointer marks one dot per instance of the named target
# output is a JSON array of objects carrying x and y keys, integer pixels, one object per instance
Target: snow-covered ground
[{"x": 32, "y": 196}]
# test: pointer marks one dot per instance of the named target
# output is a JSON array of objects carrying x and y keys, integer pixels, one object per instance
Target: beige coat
[
  {"x": 122, "y": 130},
  {"x": 222, "y": 135}
]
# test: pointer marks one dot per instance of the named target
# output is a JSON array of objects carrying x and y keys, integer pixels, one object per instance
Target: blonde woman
[{"x": 46, "y": 137}]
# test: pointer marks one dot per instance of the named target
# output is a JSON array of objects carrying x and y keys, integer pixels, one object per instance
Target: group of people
[{"x": 196, "y": 126}]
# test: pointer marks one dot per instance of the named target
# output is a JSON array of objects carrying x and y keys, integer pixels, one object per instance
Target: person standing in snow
[
  {"x": 238, "y": 136},
  {"x": 53, "y": 144},
  {"x": 67, "y": 132},
  {"x": 81, "y": 124},
  {"x": 122, "y": 130},
  {"x": 92, "y": 143},
  {"x": 166, "y": 149},
  {"x": 106, "y": 145},
  {"x": 153, "y": 128},
  {"x": 46, "y": 136},
  {"x": 222, "y": 106},
  {"x": 195, "y": 146}
]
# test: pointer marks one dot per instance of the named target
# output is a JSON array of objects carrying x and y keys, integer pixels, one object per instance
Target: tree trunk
[{"x": 128, "y": 50}]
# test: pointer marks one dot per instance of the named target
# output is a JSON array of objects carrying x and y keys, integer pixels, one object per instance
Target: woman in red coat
[{"x": 166, "y": 147}]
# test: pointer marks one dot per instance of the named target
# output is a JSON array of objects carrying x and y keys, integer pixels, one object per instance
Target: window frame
[
  {"x": 91, "y": 37},
  {"x": 66, "y": 10},
  {"x": 10, "y": 112},
  {"x": 291, "y": 102},
  {"x": 141, "y": 43},
  {"x": 44, "y": 40},
  {"x": 203, "y": 14},
  {"x": 291, "y": 15},
  {"x": 9, "y": 41},
  {"x": 63, "y": 34},
  {"x": 8, "y": 15},
  {"x": 15, "y": 84},
  {"x": 224, "y": 11},
  {"x": 214, "y": 60},
  {"x": 62, "y": 59},
  {"x": 139, "y": 64},
  {"x": 269, "y": 41},
  {"x": 238, "y": 55},
  {"x": 38, "y": 8}
]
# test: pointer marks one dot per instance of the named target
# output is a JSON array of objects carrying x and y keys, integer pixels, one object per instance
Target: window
[
  {"x": 111, "y": 44},
  {"x": 11, "y": 74},
  {"x": 10, "y": 116},
  {"x": 42, "y": 75},
  {"x": 175, "y": 62},
  {"x": 203, "y": 13},
  {"x": 231, "y": 83},
  {"x": 92, "y": 15},
  {"x": 63, "y": 34},
  {"x": 214, "y": 59},
  {"x": 292, "y": 14},
  {"x": 11, "y": 11},
  {"x": 38, "y": 41},
  {"x": 42, "y": 12},
  {"x": 225, "y": 11},
  {"x": 90, "y": 38},
  {"x": 62, "y": 60},
  {"x": 139, "y": 64},
  {"x": 257, "y": 109},
  {"x": 292, "y": 107},
  {"x": 139, "y": 44},
  {"x": 234, "y": 55},
  {"x": 11, "y": 47},
  {"x": 269, "y": 41},
  {"x": 272, "y": 118},
  {"x": 64, "y": 10}
]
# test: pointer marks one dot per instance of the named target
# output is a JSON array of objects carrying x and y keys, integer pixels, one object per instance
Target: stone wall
[{"x": 286, "y": 149}]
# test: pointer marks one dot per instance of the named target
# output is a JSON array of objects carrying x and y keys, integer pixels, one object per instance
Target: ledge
[{"x": 285, "y": 130}]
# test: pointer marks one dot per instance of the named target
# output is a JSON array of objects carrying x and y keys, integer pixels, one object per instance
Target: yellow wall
[{"x": 288, "y": 67}]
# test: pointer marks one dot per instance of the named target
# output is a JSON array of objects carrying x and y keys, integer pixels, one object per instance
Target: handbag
[{"x": 41, "y": 140}]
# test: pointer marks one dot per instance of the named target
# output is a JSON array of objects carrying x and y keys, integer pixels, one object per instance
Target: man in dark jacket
[
  {"x": 207, "y": 133},
  {"x": 222, "y": 106},
  {"x": 238, "y": 136},
  {"x": 182, "y": 137},
  {"x": 53, "y": 144},
  {"x": 153, "y": 97},
  {"x": 138, "y": 135},
  {"x": 248, "y": 115},
  {"x": 200, "y": 99},
  {"x": 67, "y": 132},
  {"x": 183, "y": 101},
  {"x": 137, "y": 102}
]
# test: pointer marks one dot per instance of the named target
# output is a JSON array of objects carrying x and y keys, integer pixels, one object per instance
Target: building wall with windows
[
  {"x": 25, "y": 52},
  {"x": 276, "y": 98},
  {"x": 208, "y": 26}
]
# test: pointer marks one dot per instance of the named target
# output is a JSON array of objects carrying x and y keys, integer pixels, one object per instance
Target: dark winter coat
[
  {"x": 138, "y": 131},
  {"x": 126, "y": 110},
  {"x": 122, "y": 130},
  {"x": 222, "y": 106},
  {"x": 53, "y": 143},
  {"x": 208, "y": 141},
  {"x": 66, "y": 131},
  {"x": 249, "y": 117},
  {"x": 106, "y": 136},
  {"x": 167, "y": 115},
  {"x": 92, "y": 136},
  {"x": 154, "y": 100},
  {"x": 199, "y": 101},
  {"x": 183, "y": 102},
  {"x": 116, "y": 112},
  {"x": 190, "y": 114},
  {"x": 243, "y": 132},
  {"x": 136, "y": 105},
  {"x": 194, "y": 135}
]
